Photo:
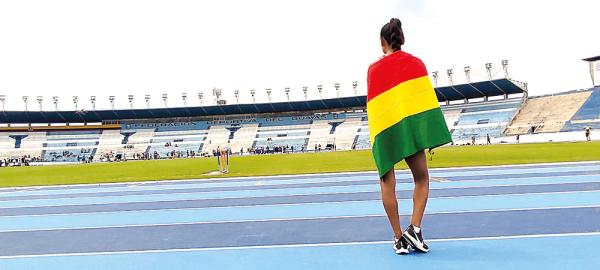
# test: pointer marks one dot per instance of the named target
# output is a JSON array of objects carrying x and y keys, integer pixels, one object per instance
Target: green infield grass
[{"x": 283, "y": 164}]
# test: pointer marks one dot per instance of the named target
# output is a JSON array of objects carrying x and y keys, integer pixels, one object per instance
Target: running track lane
[{"x": 256, "y": 243}]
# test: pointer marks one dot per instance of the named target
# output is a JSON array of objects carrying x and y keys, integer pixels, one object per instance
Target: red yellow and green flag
[{"x": 403, "y": 110}]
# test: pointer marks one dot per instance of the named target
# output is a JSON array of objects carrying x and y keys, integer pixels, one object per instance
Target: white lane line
[
  {"x": 295, "y": 219},
  {"x": 304, "y": 194},
  {"x": 91, "y": 193},
  {"x": 289, "y": 204},
  {"x": 295, "y": 188},
  {"x": 175, "y": 186},
  {"x": 94, "y": 194},
  {"x": 528, "y": 236},
  {"x": 249, "y": 178},
  {"x": 338, "y": 183}
]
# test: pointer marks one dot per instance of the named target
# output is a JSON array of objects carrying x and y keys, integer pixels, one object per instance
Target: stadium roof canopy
[
  {"x": 447, "y": 93},
  {"x": 491, "y": 88},
  {"x": 592, "y": 59}
]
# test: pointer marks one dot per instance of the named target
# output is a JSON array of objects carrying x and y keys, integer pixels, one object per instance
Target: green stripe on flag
[{"x": 412, "y": 134}]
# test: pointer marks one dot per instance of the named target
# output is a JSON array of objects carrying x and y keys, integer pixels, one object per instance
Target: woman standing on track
[{"x": 404, "y": 119}]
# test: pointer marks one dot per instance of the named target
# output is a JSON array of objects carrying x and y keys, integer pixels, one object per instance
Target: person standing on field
[{"x": 405, "y": 119}]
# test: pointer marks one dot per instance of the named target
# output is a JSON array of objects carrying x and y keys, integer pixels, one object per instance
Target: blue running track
[{"x": 521, "y": 217}]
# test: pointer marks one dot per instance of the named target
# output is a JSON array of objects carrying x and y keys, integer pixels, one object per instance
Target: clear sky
[{"x": 139, "y": 47}]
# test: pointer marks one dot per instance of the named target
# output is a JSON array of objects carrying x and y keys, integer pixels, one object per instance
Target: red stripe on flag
[{"x": 391, "y": 71}]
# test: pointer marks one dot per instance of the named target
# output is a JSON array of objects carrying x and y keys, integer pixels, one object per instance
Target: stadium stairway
[
  {"x": 32, "y": 145},
  {"x": 110, "y": 140},
  {"x": 243, "y": 138},
  {"x": 319, "y": 134},
  {"x": 346, "y": 132},
  {"x": 217, "y": 137}
]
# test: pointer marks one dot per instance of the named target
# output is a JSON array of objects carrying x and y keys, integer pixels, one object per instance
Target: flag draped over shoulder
[{"x": 403, "y": 111}]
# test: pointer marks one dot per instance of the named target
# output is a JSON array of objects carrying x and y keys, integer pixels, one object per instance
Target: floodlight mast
[
  {"x": 55, "y": 101},
  {"x": 201, "y": 97},
  {"x": 40, "y": 100},
  {"x": 305, "y": 91},
  {"x": 287, "y": 93},
  {"x": 320, "y": 90},
  {"x": 468, "y": 73},
  {"x": 93, "y": 101},
  {"x": 165, "y": 98},
  {"x": 488, "y": 67},
  {"x": 269, "y": 91},
  {"x": 505, "y": 68},
  {"x": 217, "y": 94},
  {"x": 184, "y": 98},
  {"x": 76, "y": 102},
  {"x": 355, "y": 87},
  {"x": 147, "y": 99},
  {"x": 2, "y": 100},
  {"x": 450, "y": 72},
  {"x": 236, "y": 93},
  {"x": 435, "y": 78},
  {"x": 130, "y": 99},
  {"x": 337, "y": 89},
  {"x": 25, "y": 101},
  {"x": 253, "y": 94},
  {"x": 111, "y": 99}
]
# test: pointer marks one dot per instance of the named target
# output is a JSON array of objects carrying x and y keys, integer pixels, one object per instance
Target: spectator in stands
[{"x": 588, "y": 133}]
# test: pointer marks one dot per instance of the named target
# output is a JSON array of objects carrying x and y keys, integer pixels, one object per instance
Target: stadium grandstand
[{"x": 498, "y": 108}]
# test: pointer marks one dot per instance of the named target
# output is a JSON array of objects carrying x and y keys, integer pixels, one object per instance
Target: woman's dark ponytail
[{"x": 392, "y": 33}]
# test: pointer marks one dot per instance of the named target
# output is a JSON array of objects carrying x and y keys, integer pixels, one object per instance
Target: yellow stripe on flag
[{"x": 406, "y": 99}]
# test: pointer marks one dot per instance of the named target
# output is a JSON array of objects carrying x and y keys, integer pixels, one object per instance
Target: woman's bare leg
[
  {"x": 390, "y": 203},
  {"x": 418, "y": 166}
]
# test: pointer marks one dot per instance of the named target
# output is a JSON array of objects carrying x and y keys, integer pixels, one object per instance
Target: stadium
[
  {"x": 496, "y": 108},
  {"x": 499, "y": 108},
  {"x": 145, "y": 221},
  {"x": 299, "y": 135}
]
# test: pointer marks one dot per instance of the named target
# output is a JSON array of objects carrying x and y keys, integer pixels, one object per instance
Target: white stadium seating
[{"x": 500, "y": 119}]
